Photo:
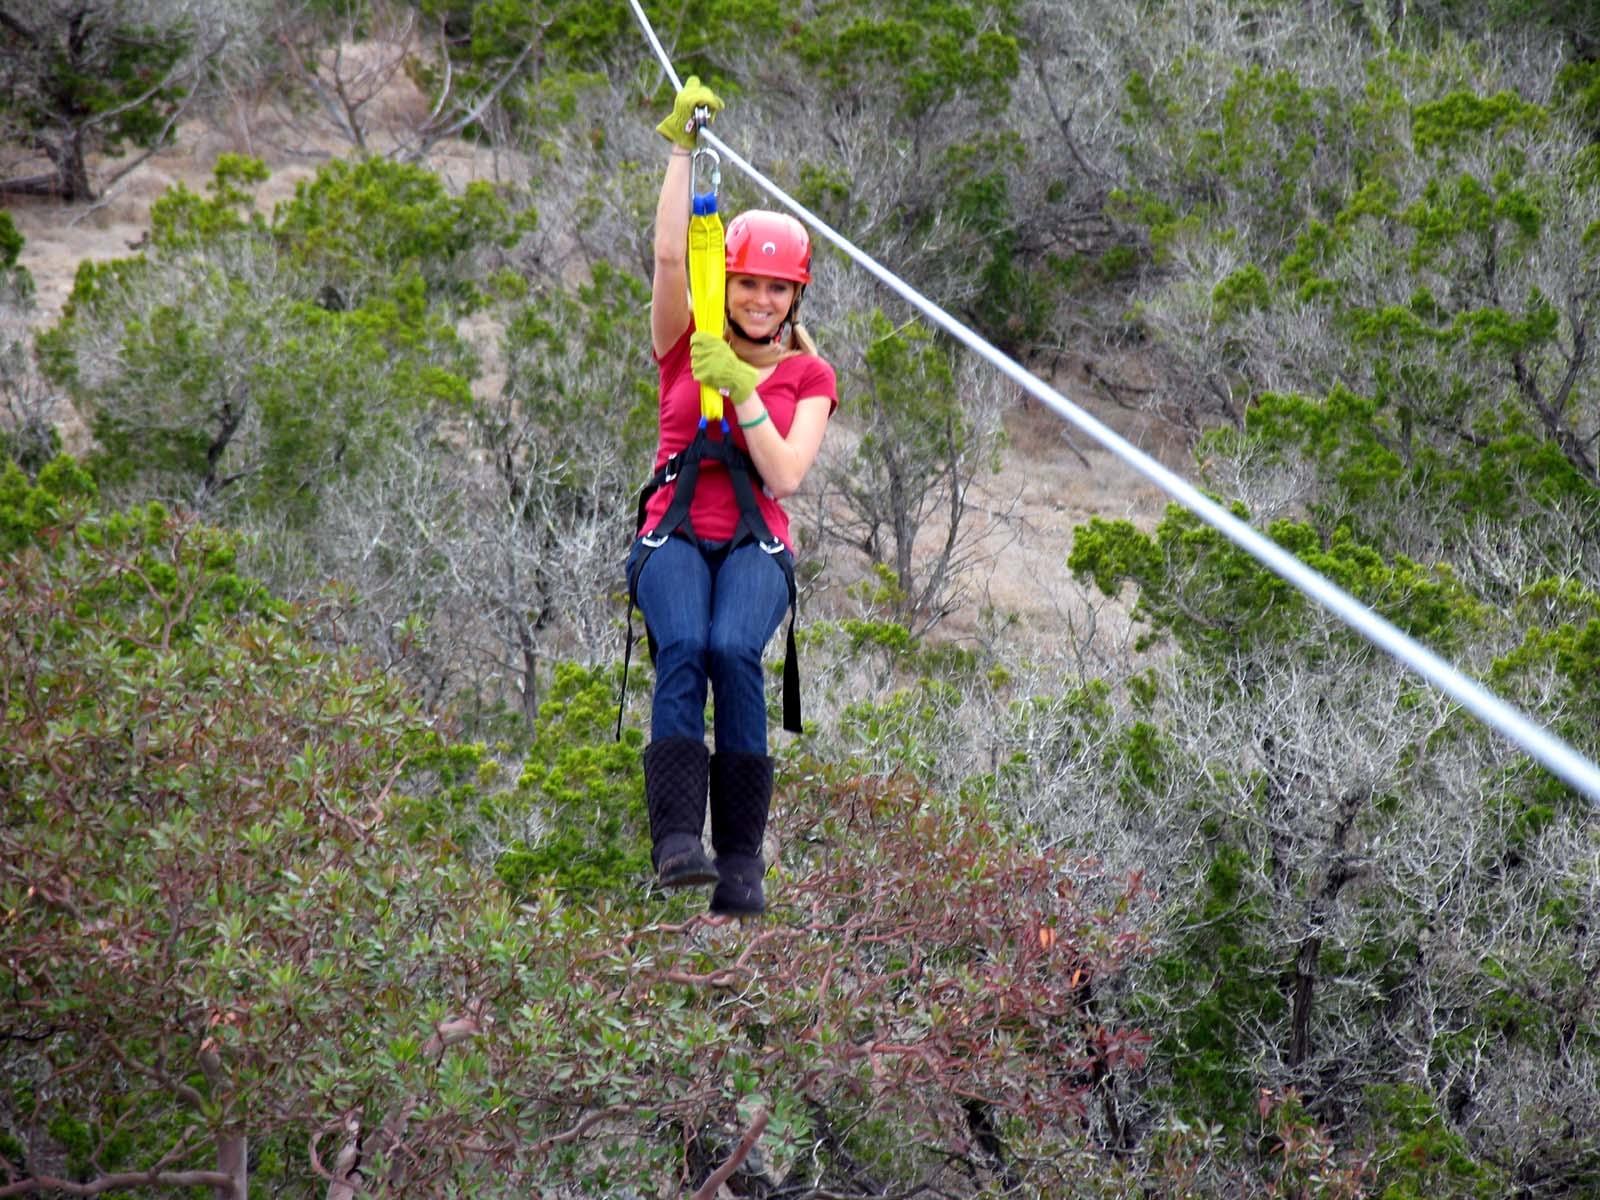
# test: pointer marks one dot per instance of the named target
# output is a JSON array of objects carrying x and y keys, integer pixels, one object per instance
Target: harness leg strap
[{"x": 682, "y": 472}]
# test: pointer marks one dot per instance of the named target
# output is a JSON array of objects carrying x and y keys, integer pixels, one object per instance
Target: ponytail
[{"x": 800, "y": 339}]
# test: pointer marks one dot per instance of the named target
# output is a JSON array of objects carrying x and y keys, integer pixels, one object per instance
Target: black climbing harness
[{"x": 682, "y": 473}]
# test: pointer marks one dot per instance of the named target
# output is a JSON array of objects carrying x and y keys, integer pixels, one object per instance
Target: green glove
[
  {"x": 716, "y": 365},
  {"x": 679, "y": 127}
]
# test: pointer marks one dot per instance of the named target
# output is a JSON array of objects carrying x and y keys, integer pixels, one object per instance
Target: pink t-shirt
[{"x": 715, "y": 512}]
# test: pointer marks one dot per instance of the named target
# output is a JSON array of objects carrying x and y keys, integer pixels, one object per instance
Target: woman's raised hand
[{"x": 678, "y": 128}]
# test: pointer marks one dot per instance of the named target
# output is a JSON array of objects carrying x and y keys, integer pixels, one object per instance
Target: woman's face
[{"x": 759, "y": 303}]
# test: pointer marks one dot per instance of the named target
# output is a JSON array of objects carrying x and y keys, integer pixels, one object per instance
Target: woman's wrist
[
  {"x": 750, "y": 411},
  {"x": 681, "y": 152}
]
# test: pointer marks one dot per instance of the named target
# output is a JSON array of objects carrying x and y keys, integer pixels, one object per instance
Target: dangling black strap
[
  {"x": 791, "y": 668},
  {"x": 682, "y": 472},
  {"x": 627, "y": 656}
]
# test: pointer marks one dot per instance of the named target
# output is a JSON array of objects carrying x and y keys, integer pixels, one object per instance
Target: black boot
[
  {"x": 675, "y": 772},
  {"x": 741, "y": 792}
]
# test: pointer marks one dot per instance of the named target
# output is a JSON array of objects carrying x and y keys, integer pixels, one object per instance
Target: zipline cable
[{"x": 1539, "y": 742}]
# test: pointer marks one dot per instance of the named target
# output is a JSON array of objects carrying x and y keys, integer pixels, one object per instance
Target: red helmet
[{"x": 772, "y": 244}]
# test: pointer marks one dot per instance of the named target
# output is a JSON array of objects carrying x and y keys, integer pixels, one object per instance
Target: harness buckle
[
  {"x": 774, "y": 547},
  {"x": 654, "y": 540}
]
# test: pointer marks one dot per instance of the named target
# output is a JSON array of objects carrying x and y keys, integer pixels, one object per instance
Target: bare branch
[
  {"x": 122, "y": 1179},
  {"x": 432, "y": 135},
  {"x": 708, "y": 1190}
]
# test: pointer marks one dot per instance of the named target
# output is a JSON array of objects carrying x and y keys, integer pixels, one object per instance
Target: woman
[{"x": 712, "y": 569}]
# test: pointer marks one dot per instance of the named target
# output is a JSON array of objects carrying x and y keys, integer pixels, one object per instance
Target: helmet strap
[
  {"x": 779, "y": 334},
  {"x": 770, "y": 341}
]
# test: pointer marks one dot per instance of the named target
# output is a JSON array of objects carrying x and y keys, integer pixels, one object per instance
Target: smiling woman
[
  {"x": 757, "y": 305},
  {"x": 712, "y": 567}
]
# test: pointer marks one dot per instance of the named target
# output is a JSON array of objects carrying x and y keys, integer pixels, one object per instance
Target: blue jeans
[{"x": 711, "y": 612}]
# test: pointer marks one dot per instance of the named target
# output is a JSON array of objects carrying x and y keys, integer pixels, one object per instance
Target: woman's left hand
[{"x": 716, "y": 365}]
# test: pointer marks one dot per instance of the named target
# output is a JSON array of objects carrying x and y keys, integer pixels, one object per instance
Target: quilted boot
[
  {"x": 675, "y": 771},
  {"x": 741, "y": 792}
]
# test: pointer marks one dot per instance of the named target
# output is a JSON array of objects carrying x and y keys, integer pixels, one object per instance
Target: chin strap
[{"x": 778, "y": 335}]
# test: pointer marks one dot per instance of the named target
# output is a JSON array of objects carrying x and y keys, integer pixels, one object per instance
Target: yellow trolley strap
[{"x": 708, "y": 272}]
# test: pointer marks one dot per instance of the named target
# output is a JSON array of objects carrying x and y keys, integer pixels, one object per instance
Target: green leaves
[
  {"x": 930, "y": 53},
  {"x": 1397, "y": 277},
  {"x": 1452, "y": 122},
  {"x": 153, "y": 717},
  {"x": 181, "y": 220},
  {"x": 1214, "y": 597},
  {"x": 585, "y": 790},
  {"x": 1242, "y": 292},
  {"x": 510, "y": 65},
  {"x": 1452, "y": 283},
  {"x": 1267, "y": 155},
  {"x": 238, "y": 388},
  {"x": 1561, "y": 646},
  {"x": 29, "y": 510},
  {"x": 358, "y": 225},
  {"x": 10, "y": 242}
]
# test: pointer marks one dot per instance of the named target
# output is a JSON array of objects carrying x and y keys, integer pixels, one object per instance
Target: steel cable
[{"x": 1535, "y": 739}]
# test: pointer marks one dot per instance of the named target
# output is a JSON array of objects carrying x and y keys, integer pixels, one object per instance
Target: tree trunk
[
  {"x": 1305, "y": 982},
  {"x": 33, "y": 185},
  {"x": 530, "y": 675},
  {"x": 71, "y": 170},
  {"x": 1338, "y": 872},
  {"x": 233, "y": 1148},
  {"x": 233, "y": 1160}
]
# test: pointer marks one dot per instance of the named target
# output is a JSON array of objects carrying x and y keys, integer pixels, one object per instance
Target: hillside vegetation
[{"x": 322, "y": 867}]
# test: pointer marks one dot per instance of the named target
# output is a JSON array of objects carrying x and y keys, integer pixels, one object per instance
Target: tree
[
  {"x": 216, "y": 375},
  {"x": 244, "y": 922},
  {"x": 280, "y": 377},
  {"x": 81, "y": 78},
  {"x": 1360, "y": 860},
  {"x": 27, "y": 406},
  {"x": 17, "y": 283},
  {"x": 906, "y": 148},
  {"x": 512, "y": 548},
  {"x": 919, "y": 440},
  {"x": 134, "y": 952},
  {"x": 568, "y": 438},
  {"x": 1571, "y": 20},
  {"x": 343, "y": 55},
  {"x": 236, "y": 368},
  {"x": 507, "y": 71},
  {"x": 1375, "y": 269}
]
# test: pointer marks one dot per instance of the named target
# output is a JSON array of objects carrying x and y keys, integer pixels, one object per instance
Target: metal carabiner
[{"x": 702, "y": 156}]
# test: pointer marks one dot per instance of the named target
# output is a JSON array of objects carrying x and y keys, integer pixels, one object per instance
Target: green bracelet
[{"x": 757, "y": 421}]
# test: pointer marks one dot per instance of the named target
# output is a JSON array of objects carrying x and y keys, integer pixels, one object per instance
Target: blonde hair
[{"x": 800, "y": 339}]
